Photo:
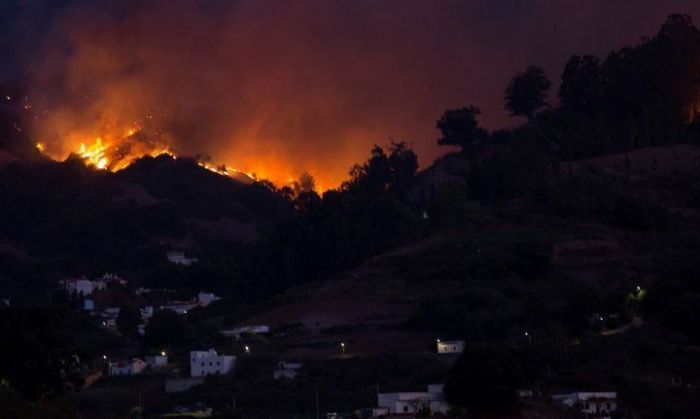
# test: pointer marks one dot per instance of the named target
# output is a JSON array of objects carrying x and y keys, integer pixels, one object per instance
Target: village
[{"x": 183, "y": 371}]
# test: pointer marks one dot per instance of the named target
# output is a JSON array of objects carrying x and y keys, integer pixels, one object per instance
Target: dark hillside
[{"x": 67, "y": 219}]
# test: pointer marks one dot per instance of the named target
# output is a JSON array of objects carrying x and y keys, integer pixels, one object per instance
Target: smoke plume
[{"x": 282, "y": 87}]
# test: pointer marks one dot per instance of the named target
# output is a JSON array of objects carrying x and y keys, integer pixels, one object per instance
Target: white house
[
  {"x": 204, "y": 363},
  {"x": 450, "y": 346},
  {"x": 206, "y": 298},
  {"x": 414, "y": 401},
  {"x": 157, "y": 361},
  {"x": 82, "y": 286},
  {"x": 593, "y": 404},
  {"x": 109, "y": 278},
  {"x": 179, "y": 258},
  {"x": 288, "y": 370},
  {"x": 238, "y": 331},
  {"x": 121, "y": 368},
  {"x": 147, "y": 313},
  {"x": 180, "y": 307}
]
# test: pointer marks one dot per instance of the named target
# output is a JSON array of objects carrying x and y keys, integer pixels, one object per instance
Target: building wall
[
  {"x": 138, "y": 365},
  {"x": 598, "y": 406},
  {"x": 387, "y": 400},
  {"x": 404, "y": 407},
  {"x": 210, "y": 363},
  {"x": 407, "y": 402},
  {"x": 116, "y": 371},
  {"x": 157, "y": 361},
  {"x": 284, "y": 373},
  {"x": 439, "y": 406},
  {"x": 450, "y": 347}
]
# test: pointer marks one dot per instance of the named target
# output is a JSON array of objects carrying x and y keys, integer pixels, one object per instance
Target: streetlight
[
  {"x": 247, "y": 349},
  {"x": 104, "y": 357},
  {"x": 529, "y": 337},
  {"x": 342, "y": 347},
  {"x": 162, "y": 353}
]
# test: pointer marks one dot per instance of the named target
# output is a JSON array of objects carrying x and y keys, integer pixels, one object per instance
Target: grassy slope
[{"x": 489, "y": 279}]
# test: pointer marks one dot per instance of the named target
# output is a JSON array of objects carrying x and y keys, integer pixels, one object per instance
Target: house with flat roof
[
  {"x": 82, "y": 286},
  {"x": 593, "y": 404},
  {"x": 157, "y": 361},
  {"x": 134, "y": 366},
  {"x": 203, "y": 363},
  {"x": 413, "y": 402},
  {"x": 450, "y": 346},
  {"x": 287, "y": 370}
]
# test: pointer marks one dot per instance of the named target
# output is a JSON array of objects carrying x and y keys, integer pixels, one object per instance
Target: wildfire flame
[
  {"x": 94, "y": 155},
  {"x": 122, "y": 151}
]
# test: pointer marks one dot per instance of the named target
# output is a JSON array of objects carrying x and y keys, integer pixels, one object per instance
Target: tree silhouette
[
  {"x": 128, "y": 320},
  {"x": 527, "y": 92},
  {"x": 581, "y": 84},
  {"x": 404, "y": 163},
  {"x": 484, "y": 380},
  {"x": 459, "y": 127},
  {"x": 165, "y": 327}
]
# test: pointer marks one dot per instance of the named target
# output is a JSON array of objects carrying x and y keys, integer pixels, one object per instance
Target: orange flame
[{"x": 120, "y": 153}]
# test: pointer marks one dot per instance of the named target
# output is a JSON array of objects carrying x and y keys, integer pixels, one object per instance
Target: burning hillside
[{"x": 114, "y": 153}]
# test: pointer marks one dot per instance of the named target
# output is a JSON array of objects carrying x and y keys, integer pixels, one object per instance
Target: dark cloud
[{"x": 279, "y": 87}]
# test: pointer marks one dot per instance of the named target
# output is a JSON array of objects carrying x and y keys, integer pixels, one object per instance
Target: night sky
[{"x": 279, "y": 87}]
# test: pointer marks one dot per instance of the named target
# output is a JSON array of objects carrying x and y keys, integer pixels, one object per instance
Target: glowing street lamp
[
  {"x": 342, "y": 347},
  {"x": 162, "y": 353},
  {"x": 529, "y": 337},
  {"x": 104, "y": 357},
  {"x": 247, "y": 349}
]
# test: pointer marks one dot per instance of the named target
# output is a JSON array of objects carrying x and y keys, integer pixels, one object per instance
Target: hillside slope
[
  {"x": 67, "y": 219},
  {"x": 603, "y": 301}
]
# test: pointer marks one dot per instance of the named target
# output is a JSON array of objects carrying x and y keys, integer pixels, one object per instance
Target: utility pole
[{"x": 316, "y": 400}]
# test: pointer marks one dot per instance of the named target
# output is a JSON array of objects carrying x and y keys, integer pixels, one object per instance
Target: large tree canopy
[
  {"x": 527, "y": 92},
  {"x": 459, "y": 127}
]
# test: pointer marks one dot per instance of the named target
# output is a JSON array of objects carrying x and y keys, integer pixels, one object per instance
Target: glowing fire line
[{"x": 105, "y": 156}]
